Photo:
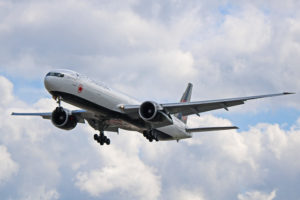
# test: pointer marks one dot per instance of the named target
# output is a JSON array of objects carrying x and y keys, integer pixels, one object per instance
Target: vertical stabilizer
[{"x": 186, "y": 97}]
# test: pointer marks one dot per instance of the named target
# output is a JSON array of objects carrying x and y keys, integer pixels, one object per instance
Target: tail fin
[{"x": 186, "y": 97}]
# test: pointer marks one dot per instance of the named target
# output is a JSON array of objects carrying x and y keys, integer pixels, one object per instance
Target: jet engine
[
  {"x": 148, "y": 111},
  {"x": 62, "y": 118},
  {"x": 152, "y": 112}
]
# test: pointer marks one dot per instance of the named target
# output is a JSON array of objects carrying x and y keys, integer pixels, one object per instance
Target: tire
[{"x": 96, "y": 137}]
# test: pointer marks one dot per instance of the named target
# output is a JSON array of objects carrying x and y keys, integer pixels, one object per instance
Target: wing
[
  {"x": 205, "y": 129},
  {"x": 44, "y": 115},
  {"x": 189, "y": 108},
  {"x": 79, "y": 114}
]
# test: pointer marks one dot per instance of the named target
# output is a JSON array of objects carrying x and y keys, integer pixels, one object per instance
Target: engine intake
[
  {"x": 61, "y": 118},
  {"x": 152, "y": 112},
  {"x": 148, "y": 110}
]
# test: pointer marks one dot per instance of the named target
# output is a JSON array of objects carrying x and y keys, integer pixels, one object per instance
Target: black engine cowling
[{"x": 61, "y": 118}]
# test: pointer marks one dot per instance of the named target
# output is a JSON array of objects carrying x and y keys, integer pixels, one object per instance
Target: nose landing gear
[
  {"x": 58, "y": 100},
  {"x": 102, "y": 139}
]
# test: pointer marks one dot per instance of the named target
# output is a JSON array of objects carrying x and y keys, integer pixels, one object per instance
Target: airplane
[{"x": 105, "y": 109}]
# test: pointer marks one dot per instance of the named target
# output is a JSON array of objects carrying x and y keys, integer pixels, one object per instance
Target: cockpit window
[{"x": 55, "y": 74}]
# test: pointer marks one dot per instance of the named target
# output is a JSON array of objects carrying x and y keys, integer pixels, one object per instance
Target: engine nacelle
[
  {"x": 148, "y": 111},
  {"x": 61, "y": 118},
  {"x": 152, "y": 112}
]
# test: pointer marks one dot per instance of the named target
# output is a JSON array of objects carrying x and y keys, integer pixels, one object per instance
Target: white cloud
[
  {"x": 8, "y": 167},
  {"x": 171, "y": 42},
  {"x": 257, "y": 195},
  {"x": 151, "y": 50},
  {"x": 170, "y": 63},
  {"x": 121, "y": 172},
  {"x": 246, "y": 159},
  {"x": 246, "y": 32},
  {"x": 224, "y": 160},
  {"x": 6, "y": 90},
  {"x": 25, "y": 138},
  {"x": 182, "y": 194},
  {"x": 41, "y": 193}
]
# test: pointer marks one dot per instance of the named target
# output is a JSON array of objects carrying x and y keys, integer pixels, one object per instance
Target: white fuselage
[{"x": 88, "y": 94}]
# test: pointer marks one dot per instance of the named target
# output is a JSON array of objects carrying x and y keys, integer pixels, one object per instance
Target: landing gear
[
  {"x": 102, "y": 139},
  {"x": 58, "y": 100},
  {"x": 150, "y": 135}
]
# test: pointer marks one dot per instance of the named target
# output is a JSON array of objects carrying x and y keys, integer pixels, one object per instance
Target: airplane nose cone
[
  {"x": 51, "y": 83},
  {"x": 47, "y": 83}
]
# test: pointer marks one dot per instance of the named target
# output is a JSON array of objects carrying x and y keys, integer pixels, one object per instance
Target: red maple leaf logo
[{"x": 80, "y": 88}]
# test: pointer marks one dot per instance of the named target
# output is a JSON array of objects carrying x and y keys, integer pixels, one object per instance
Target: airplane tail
[{"x": 186, "y": 97}]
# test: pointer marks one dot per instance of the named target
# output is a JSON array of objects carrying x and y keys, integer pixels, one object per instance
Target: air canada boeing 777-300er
[{"x": 107, "y": 110}]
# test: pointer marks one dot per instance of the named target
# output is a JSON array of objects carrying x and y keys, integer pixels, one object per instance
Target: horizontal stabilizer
[{"x": 191, "y": 130}]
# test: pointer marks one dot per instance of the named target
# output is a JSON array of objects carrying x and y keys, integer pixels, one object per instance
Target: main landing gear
[
  {"x": 101, "y": 138},
  {"x": 150, "y": 135}
]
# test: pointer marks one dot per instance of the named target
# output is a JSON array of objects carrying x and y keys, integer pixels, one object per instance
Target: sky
[{"x": 150, "y": 50}]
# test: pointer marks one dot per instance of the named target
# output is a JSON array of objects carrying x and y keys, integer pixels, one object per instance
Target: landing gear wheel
[
  {"x": 102, "y": 139},
  {"x": 108, "y": 141},
  {"x": 96, "y": 137},
  {"x": 151, "y": 135}
]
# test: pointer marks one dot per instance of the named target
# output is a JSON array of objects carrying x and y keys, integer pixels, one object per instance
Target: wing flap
[{"x": 206, "y": 129}]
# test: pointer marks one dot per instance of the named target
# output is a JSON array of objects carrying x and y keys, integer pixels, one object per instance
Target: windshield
[{"x": 55, "y": 74}]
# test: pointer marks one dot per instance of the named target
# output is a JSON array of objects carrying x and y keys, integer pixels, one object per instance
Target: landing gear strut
[
  {"x": 58, "y": 101},
  {"x": 101, "y": 138}
]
